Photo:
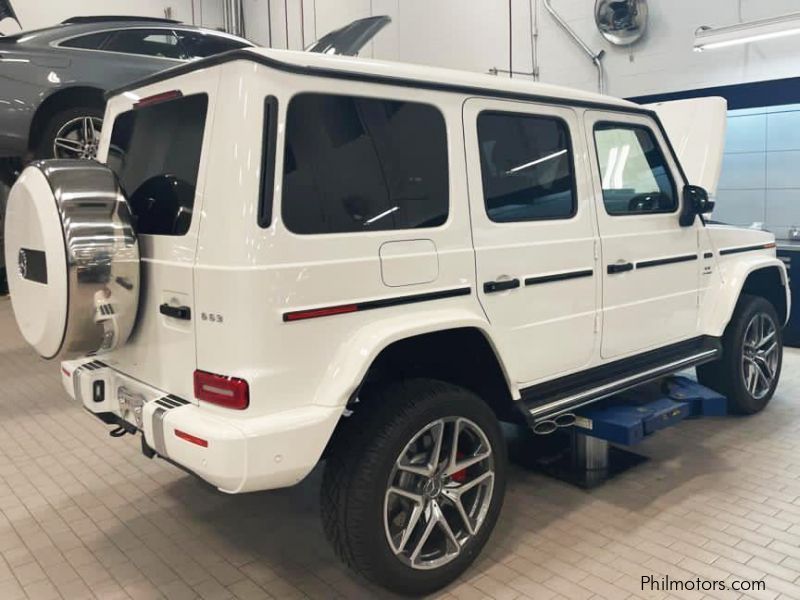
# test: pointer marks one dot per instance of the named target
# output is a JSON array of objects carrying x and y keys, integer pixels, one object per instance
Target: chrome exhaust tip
[
  {"x": 545, "y": 427},
  {"x": 565, "y": 420},
  {"x": 552, "y": 425}
]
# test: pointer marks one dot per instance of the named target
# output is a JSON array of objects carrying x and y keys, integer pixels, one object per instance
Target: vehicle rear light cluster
[
  {"x": 229, "y": 392},
  {"x": 157, "y": 98}
]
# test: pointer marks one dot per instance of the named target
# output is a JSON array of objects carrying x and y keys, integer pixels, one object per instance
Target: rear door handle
[
  {"x": 620, "y": 267},
  {"x": 498, "y": 286},
  {"x": 176, "y": 312}
]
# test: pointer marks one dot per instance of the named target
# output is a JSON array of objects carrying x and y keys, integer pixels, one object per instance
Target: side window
[
  {"x": 363, "y": 164},
  {"x": 155, "y": 152},
  {"x": 148, "y": 42},
  {"x": 86, "y": 42},
  {"x": 527, "y": 167},
  {"x": 197, "y": 44},
  {"x": 635, "y": 176}
]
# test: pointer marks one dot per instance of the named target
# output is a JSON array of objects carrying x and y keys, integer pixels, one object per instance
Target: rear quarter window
[
  {"x": 357, "y": 164},
  {"x": 93, "y": 41},
  {"x": 155, "y": 152}
]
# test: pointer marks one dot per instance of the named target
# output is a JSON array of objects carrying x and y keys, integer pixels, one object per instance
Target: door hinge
[
  {"x": 596, "y": 251},
  {"x": 596, "y": 322}
]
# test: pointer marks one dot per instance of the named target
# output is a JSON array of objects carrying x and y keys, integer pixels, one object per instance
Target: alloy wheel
[
  {"x": 439, "y": 492},
  {"x": 760, "y": 354},
  {"x": 78, "y": 138}
]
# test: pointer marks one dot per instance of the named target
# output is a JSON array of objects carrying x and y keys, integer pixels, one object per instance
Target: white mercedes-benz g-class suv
[{"x": 282, "y": 258}]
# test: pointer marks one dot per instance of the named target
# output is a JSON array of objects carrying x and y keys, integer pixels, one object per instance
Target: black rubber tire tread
[
  {"x": 724, "y": 375},
  {"x": 356, "y": 469},
  {"x": 44, "y": 148}
]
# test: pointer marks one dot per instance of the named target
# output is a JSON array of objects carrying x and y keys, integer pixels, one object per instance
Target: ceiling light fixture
[{"x": 709, "y": 38}]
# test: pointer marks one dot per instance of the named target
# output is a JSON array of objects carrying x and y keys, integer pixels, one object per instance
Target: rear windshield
[
  {"x": 155, "y": 152},
  {"x": 363, "y": 164}
]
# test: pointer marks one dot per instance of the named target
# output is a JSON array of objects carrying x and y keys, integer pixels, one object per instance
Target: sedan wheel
[{"x": 78, "y": 138}]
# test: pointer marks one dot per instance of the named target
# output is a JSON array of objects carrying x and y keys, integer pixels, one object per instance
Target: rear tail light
[
  {"x": 229, "y": 392},
  {"x": 157, "y": 98}
]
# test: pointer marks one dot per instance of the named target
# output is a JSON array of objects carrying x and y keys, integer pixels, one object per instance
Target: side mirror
[{"x": 695, "y": 202}]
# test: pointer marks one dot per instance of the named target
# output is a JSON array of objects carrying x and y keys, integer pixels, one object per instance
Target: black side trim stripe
[
  {"x": 708, "y": 255},
  {"x": 657, "y": 262},
  {"x": 746, "y": 249},
  {"x": 559, "y": 277},
  {"x": 340, "y": 309}
]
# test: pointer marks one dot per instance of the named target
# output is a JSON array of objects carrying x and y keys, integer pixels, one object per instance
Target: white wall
[
  {"x": 664, "y": 60},
  {"x": 760, "y": 181},
  {"x": 208, "y": 13},
  {"x": 474, "y": 35}
]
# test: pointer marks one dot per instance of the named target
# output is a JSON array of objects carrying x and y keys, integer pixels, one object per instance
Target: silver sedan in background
[{"x": 52, "y": 81}]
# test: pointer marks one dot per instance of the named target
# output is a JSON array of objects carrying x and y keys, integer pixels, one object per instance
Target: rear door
[
  {"x": 158, "y": 150},
  {"x": 534, "y": 233},
  {"x": 650, "y": 263}
]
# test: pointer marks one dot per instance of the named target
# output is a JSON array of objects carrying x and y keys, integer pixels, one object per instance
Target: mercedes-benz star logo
[{"x": 22, "y": 263}]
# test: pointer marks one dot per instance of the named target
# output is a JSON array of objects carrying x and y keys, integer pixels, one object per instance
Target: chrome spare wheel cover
[
  {"x": 760, "y": 354},
  {"x": 73, "y": 271},
  {"x": 78, "y": 138},
  {"x": 439, "y": 492}
]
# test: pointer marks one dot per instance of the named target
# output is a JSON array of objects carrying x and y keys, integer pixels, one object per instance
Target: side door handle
[
  {"x": 620, "y": 267},
  {"x": 491, "y": 287},
  {"x": 176, "y": 312}
]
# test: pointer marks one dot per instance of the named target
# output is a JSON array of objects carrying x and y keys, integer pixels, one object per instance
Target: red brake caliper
[{"x": 459, "y": 476}]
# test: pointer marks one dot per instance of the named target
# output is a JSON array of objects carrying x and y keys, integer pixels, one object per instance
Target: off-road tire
[
  {"x": 726, "y": 375},
  {"x": 358, "y": 469}
]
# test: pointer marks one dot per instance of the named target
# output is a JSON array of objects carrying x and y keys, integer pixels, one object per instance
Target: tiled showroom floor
[{"x": 84, "y": 515}]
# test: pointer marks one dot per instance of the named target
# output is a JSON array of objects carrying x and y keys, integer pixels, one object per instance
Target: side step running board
[{"x": 553, "y": 398}]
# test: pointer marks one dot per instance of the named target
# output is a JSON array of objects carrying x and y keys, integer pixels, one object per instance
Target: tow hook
[{"x": 120, "y": 431}]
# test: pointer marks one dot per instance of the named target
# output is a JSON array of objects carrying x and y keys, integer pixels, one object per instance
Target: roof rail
[{"x": 113, "y": 18}]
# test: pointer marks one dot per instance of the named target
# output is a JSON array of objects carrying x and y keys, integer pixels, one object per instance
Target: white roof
[{"x": 435, "y": 75}]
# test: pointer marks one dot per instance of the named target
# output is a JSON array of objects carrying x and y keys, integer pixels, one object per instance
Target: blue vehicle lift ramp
[{"x": 597, "y": 445}]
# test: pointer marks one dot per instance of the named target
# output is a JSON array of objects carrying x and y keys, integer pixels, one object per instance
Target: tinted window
[
  {"x": 87, "y": 42},
  {"x": 197, "y": 44},
  {"x": 635, "y": 176},
  {"x": 526, "y": 164},
  {"x": 360, "y": 164},
  {"x": 150, "y": 42},
  {"x": 155, "y": 152}
]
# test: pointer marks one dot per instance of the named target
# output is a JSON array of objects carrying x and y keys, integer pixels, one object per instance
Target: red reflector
[
  {"x": 320, "y": 312},
  {"x": 156, "y": 98},
  {"x": 770, "y": 245},
  {"x": 191, "y": 438},
  {"x": 229, "y": 392},
  {"x": 65, "y": 372}
]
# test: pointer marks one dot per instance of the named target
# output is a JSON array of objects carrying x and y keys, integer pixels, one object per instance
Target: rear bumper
[{"x": 236, "y": 455}]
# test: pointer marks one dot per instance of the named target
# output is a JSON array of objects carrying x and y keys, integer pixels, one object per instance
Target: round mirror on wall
[{"x": 621, "y": 22}]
